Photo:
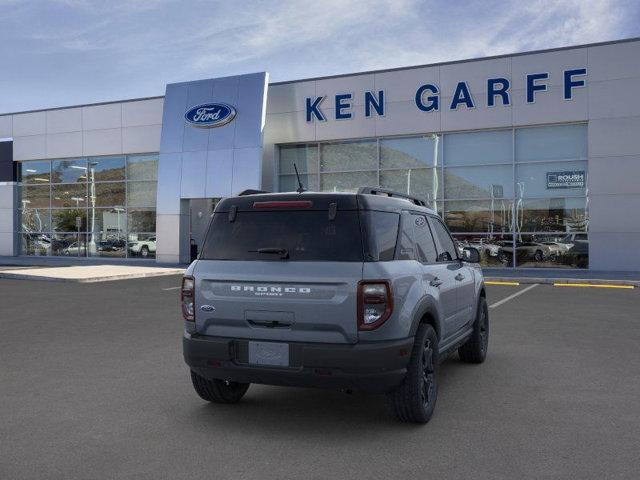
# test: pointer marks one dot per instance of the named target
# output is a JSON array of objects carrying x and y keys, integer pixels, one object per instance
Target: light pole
[{"x": 92, "y": 175}]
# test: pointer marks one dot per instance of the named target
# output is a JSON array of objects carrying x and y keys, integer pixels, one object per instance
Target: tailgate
[{"x": 282, "y": 301}]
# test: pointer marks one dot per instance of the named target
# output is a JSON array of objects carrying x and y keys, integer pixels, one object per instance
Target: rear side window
[
  {"x": 305, "y": 235},
  {"x": 446, "y": 248},
  {"x": 424, "y": 240},
  {"x": 381, "y": 233},
  {"x": 406, "y": 249}
]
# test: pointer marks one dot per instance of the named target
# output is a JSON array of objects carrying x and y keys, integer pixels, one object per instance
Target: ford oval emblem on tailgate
[{"x": 207, "y": 308}]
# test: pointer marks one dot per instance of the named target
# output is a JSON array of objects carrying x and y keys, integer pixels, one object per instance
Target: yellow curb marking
[
  {"x": 513, "y": 284},
  {"x": 592, "y": 285}
]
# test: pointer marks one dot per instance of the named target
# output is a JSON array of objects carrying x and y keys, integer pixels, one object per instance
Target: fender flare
[{"x": 426, "y": 306}]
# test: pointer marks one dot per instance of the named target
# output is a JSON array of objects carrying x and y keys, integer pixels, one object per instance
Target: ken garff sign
[
  {"x": 427, "y": 96},
  {"x": 567, "y": 179},
  {"x": 210, "y": 115}
]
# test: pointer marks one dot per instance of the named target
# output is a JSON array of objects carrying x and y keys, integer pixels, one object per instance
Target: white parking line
[
  {"x": 511, "y": 297},
  {"x": 171, "y": 288}
]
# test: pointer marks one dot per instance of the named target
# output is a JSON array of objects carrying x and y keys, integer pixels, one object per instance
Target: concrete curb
[
  {"x": 551, "y": 281},
  {"x": 104, "y": 278}
]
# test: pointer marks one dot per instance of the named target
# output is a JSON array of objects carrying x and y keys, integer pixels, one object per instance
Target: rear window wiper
[{"x": 284, "y": 254}]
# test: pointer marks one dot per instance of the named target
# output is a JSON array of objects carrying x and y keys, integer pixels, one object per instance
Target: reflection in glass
[
  {"x": 558, "y": 142},
  {"x": 552, "y": 215},
  {"x": 142, "y": 245},
  {"x": 69, "y": 245},
  {"x": 289, "y": 183},
  {"x": 35, "y": 220},
  {"x": 478, "y": 182},
  {"x": 141, "y": 194},
  {"x": 69, "y": 171},
  {"x": 304, "y": 156},
  {"x": 552, "y": 250},
  {"x": 532, "y": 181},
  {"x": 107, "y": 168},
  {"x": 65, "y": 220},
  {"x": 142, "y": 167},
  {"x": 422, "y": 182},
  {"x": 35, "y": 196},
  {"x": 479, "y": 216},
  {"x": 109, "y": 194},
  {"x": 142, "y": 220},
  {"x": 35, "y": 244},
  {"x": 478, "y": 148},
  {"x": 108, "y": 223},
  {"x": 494, "y": 249},
  {"x": 69, "y": 195},
  {"x": 347, "y": 156},
  {"x": 93, "y": 190},
  {"x": 347, "y": 182},
  {"x": 35, "y": 172},
  {"x": 412, "y": 152}
]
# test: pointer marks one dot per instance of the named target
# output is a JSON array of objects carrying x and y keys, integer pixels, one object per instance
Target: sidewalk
[
  {"x": 551, "y": 276},
  {"x": 86, "y": 273}
]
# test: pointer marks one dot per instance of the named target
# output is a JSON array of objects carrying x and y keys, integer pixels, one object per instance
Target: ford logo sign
[{"x": 210, "y": 115}]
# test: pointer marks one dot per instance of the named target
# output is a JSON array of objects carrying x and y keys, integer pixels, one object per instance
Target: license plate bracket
[{"x": 272, "y": 354}]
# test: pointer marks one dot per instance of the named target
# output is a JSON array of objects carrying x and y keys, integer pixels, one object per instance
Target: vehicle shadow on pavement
[{"x": 309, "y": 410}]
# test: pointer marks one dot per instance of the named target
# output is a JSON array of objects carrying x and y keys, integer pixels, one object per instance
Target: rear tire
[
  {"x": 415, "y": 399},
  {"x": 144, "y": 251},
  {"x": 218, "y": 391},
  {"x": 475, "y": 349}
]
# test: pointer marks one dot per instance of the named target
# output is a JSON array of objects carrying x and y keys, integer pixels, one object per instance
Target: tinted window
[
  {"x": 305, "y": 235},
  {"x": 424, "y": 240},
  {"x": 447, "y": 249},
  {"x": 382, "y": 233},
  {"x": 405, "y": 239}
]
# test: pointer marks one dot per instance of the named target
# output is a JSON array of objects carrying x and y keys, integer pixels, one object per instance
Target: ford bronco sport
[{"x": 355, "y": 291}]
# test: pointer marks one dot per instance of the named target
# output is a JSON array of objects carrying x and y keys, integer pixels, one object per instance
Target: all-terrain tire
[
  {"x": 218, "y": 391},
  {"x": 475, "y": 348},
  {"x": 415, "y": 399}
]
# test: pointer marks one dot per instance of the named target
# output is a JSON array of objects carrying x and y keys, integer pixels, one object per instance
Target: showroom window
[
  {"x": 95, "y": 206},
  {"x": 518, "y": 195}
]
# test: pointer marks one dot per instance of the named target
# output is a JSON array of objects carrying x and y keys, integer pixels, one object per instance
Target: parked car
[
  {"x": 311, "y": 289},
  {"x": 557, "y": 249},
  {"x": 525, "y": 252},
  {"x": 110, "y": 245},
  {"x": 75, "y": 249},
  {"x": 143, "y": 247}
]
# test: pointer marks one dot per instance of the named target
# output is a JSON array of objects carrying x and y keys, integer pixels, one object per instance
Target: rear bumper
[{"x": 373, "y": 367}]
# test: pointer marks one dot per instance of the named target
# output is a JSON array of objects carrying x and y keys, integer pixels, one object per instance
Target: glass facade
[
  {"x": 518, "y": 195},
  {"x": 95, "y": 206}
]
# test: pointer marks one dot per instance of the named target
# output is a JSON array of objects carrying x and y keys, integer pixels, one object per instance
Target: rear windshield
[{"x": 300, "y": 235}]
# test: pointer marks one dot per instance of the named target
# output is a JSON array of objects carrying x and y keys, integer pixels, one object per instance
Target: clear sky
[{"x": 67, "y": 52}]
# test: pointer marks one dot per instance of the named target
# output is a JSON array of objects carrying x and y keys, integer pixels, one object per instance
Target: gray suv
[{"x": 354, "y": 291}]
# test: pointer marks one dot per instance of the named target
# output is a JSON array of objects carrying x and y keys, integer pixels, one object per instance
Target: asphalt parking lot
[{"x": 92, "y": 385}]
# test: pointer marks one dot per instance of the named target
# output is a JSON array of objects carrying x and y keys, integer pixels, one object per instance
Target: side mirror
[{"x": 471, "y": 255}]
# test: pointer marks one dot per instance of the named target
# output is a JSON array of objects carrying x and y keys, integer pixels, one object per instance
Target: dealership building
[{"x": 534, "y": 158}]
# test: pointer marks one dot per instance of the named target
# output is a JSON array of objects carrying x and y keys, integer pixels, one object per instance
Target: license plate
[{"x": 269, "y": 353}]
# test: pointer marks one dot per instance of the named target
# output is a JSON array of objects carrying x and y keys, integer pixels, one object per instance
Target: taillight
[
  {"x": 187, "y": 295},
  {"x": 375, "y": 303}
]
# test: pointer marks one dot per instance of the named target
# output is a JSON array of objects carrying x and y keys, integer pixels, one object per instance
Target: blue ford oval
[{"x": 210, "y": 115}]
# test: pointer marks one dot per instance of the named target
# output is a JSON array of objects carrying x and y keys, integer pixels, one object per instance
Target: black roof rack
[
  {"x": 391, "y": 193},
  {"x": 250, "y": 191}
]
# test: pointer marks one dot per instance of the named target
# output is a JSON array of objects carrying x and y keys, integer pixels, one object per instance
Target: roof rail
[
  {"x": 251, "y": 191},
  {"x": 391, "y": 193}
]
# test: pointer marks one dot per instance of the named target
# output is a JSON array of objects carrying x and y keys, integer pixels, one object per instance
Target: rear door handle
[
  {"x": 436, "y": 282},
  {"x": 459, "y": 277}
]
